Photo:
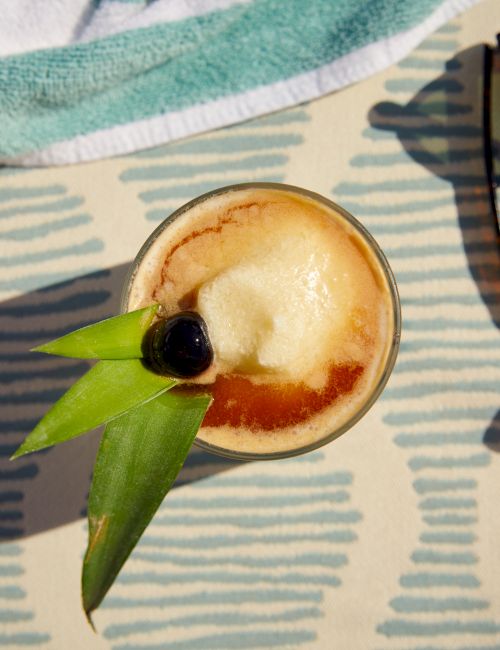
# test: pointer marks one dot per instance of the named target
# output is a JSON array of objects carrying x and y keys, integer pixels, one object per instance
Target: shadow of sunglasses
[{"x": 491, "y": 125}]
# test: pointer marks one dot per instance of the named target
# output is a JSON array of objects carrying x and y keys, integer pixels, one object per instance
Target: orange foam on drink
[{"x": 299, "y": 309}]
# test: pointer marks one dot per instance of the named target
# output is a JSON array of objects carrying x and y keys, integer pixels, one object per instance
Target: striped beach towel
[{"x": 86, "y": 79}]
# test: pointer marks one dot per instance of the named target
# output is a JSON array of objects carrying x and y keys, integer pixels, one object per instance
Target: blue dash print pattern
[
  {"x": 167, "y": 177},
  {"x": 237, "y": 570},
  {"x": 19, "y": 627},
  {"x": 437, "y": 233},
  {"x": 50, "y": 276}
]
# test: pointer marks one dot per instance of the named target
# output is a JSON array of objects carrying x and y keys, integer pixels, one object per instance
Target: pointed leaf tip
[
  {"x": 22, "y": 450},
  {"x": 140, "y": 455},
  {"x": 106, "y": 391},
  {"x": 119, "y": 337},
  {"x": 88, "y": 616}
]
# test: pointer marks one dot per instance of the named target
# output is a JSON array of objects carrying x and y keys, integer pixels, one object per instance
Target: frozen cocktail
[{"x": 300, "y": 307}]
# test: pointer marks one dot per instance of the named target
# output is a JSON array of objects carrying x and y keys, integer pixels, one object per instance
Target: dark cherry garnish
[{"x": 180, "y": 346}]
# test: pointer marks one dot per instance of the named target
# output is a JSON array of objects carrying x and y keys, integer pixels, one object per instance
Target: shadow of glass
[
  {"x": 441, "y": 129},
  {"x": 48, "y": 489}
]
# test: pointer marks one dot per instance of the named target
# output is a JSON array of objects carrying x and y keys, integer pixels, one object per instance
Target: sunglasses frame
[{"x": 488, "y": 112}]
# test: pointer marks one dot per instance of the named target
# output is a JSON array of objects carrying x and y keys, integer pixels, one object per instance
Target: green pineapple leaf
[
  {"x": 120, "y": 337},
  {"x": 140, "y": 456},
  {"x": 106, "y": 391}
]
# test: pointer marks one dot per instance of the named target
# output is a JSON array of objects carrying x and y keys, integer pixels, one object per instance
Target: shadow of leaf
[{"x": 48, "y": 489}]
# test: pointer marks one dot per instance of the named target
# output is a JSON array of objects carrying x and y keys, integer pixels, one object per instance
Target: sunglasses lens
[
  {"x": 491, "y": 126},
  {"x": 495, "y": 124}
]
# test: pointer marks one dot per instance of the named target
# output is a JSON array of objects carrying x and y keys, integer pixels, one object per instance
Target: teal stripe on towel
[{"x": 56, "y": 94}]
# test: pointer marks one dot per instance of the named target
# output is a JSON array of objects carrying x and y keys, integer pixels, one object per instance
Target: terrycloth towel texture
[
  {"x": 386, "y": 539},
  {"x": 81, "y": 79}
]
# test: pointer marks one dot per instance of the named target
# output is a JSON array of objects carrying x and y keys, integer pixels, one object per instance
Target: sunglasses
[{"x": 491, "y": 125}]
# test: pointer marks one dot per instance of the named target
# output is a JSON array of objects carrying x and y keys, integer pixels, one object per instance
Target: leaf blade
[
  {"x": 119, "y": 337},
  {"x": 139, "y": 458},
  {"x": 106, "y": 391}
]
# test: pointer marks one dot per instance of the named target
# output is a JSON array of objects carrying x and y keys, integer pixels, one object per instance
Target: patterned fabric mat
[{"x": 386, "y": 539}]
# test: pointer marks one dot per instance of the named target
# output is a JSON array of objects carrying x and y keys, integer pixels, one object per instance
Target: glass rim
[{"x": 384, "y": 265}]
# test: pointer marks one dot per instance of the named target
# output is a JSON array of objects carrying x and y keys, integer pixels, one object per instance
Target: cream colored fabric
[{"x": 385, "y": 539}]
